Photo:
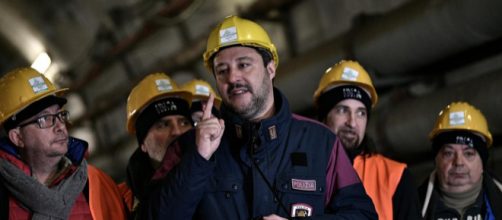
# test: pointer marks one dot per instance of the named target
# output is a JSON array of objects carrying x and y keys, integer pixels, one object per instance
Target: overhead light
[{"x": 42, "y": 62}]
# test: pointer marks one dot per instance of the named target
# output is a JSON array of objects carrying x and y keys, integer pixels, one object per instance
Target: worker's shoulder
[
  {"x": 386, "y": 161},
  {"x": 308, "y": 122}
]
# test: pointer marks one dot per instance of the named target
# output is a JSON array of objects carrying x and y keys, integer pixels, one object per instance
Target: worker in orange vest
[
  {"x": 43, "y": 171},
  {"x": 345, "y": 98}
]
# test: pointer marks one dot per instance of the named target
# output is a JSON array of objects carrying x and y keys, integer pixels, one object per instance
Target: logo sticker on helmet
[
  {"x": 38, "y": 84},
  {"x": 228, "y": 35},
  {"x": 163, "y": 85},
  {"x": 350, "y": 74},
  {"x": 457, "y": 118},
  {"x": 201, "y": 90}
]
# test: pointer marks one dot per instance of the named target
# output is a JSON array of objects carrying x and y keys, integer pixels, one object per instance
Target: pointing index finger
[{"x": 209, "y": 106}]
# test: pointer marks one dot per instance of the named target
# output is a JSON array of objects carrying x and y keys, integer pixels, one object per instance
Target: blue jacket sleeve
[{"x": 351, "y": 202}]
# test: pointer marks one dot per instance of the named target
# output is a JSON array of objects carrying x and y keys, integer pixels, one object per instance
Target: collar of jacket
[
  {"x": 268, "y": 130},
  {"x": 443, "y": 211},
  {"x": 432, "y": 198},
  {"x": 493, "y": 190}
]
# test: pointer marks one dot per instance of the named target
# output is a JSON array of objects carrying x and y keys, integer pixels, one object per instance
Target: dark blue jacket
[{"x": 278, "y": 166}]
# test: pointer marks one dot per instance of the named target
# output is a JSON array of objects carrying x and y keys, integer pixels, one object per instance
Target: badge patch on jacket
[
  {"x": 303, "y": 185},
  {"x": 301, "y": 210}
]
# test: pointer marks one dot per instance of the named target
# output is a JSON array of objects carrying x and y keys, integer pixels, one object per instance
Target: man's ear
[
  {"x": 271, "y": 69},
  {"x": 143, "y": 147},
  {"x": 15, "y": 137}
]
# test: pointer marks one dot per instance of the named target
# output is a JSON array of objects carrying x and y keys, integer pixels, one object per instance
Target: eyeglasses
[{"x": 47, "y": 121}]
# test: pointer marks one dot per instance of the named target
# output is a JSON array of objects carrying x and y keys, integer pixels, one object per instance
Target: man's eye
[
  {"x": 470, "y": 153},
  {"x": 341, "y": 109},
  {"x": 361, "y": 113},
  {"x": 162, "y": 124},
  {"x": 244, "y": 65},
  {"x": 184, "y": 122},
  {"x": 44, "y": 119},
  {"x": 447, "y": 154},
  {"x": 220, "y": 72}
]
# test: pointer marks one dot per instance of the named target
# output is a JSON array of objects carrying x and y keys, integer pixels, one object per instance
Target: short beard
[
  {"x": 349, "y": 145},
  {"x": 258, "y": 100}
]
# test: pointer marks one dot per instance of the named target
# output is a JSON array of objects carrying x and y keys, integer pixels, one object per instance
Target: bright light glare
[{"x": 42, "y": 62}]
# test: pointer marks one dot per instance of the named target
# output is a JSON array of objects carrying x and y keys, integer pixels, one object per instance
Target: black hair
[{"x": 264, "y": 53}]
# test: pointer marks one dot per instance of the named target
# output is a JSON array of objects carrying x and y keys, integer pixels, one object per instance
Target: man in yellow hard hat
[
  {"x": 201, "y": 90},
  {"x": 460, "y": 187},
  {"x": 345, "y": 98},
  {"x": 158, "y": 111},
  {"x": 259, "y": 161},
  {"x": 43, "y": 171}
]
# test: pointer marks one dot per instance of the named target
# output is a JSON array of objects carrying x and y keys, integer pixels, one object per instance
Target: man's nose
[
  {"x": 234, "y": 75},
  {"x": 176, "y": 131},
  {"x": 459, "y": 159},
  {"x": 351, "y": 120}
]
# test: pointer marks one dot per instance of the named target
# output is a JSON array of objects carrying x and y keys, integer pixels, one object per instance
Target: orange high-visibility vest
[
  {"x": 105, "y": 200},
  {"x": 127, "y": 196},
  {"x": 380, "y": 177}
]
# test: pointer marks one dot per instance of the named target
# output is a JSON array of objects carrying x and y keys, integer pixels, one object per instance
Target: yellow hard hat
[
  {"x": 462, "y": 116},
  {"x": 237, "y": 31},
  {"x": 200, "y": 90},
  {"x": 153, "y": 87},
  {"x": 20, "y": 88},
  {"x": 343, "y": 73}
]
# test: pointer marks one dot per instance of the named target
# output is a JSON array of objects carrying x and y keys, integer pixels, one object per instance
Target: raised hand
[{"x": 208, "y": 131}]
